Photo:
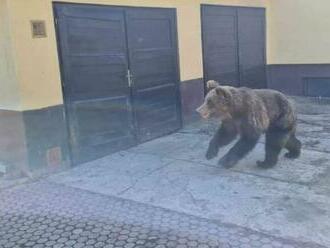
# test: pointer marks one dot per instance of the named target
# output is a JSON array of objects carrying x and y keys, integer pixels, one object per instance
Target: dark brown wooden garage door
[
  {"x": 153, "y": 63},
  {"x": 234, "y": 45},
  {"x": 120, "y": 76}
]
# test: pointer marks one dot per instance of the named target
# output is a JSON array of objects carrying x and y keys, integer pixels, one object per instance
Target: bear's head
[{"x": 217, "y": 102}]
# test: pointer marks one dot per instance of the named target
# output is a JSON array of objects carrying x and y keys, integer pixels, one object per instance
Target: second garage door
[
  {"x": 120, "y": 76},
  {"x": 234, "y": 45}
]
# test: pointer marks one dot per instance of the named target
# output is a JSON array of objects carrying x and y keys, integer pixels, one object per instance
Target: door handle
[{"x": 129, "y": 78}]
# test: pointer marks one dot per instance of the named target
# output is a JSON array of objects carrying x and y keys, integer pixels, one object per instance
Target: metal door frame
[
  {"x": 202, "y": 6},
  {"x": 66, "y": 100}
]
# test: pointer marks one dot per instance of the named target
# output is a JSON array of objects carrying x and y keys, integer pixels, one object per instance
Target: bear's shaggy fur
[{"x": 250, "y": 113}]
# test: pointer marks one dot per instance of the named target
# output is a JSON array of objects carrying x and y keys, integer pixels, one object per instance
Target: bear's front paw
[
  {"x": 291, "y": 155},
  {"x": 227, "y": 162},
  {"x": 265, "y": 164},
  {"x": 211, "y": 153}
]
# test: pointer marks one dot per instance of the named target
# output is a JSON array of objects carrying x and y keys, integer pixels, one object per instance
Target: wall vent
[{"x": 317, "y": 87}]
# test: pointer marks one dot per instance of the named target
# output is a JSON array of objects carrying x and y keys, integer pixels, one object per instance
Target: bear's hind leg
[
  {"x": 224, "y": 135},
  {"x": 293, "y": 146},
  {"x": 275, "y": 141}
]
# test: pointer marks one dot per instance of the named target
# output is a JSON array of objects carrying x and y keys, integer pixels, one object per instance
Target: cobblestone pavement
[{"x": 46, "y": 214}]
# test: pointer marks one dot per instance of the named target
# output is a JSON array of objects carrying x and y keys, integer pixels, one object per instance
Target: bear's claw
[
  {"x": 291, "y": 155},
  {"x": 211, "y": 153},
  {"x": 227, "y": 162}
]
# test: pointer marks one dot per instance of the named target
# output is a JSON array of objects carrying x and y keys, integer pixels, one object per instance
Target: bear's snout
[{"x": 204, "y": 113}]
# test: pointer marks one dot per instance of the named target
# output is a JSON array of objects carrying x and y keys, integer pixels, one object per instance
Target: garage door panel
[
  {"x": 223, "y": 66},
  {"x": 101, "y": 122},
  {"x": 251, "y": 11},
  {"x": 158, "y": 116},
  {"x": 252, "y": 77},
  {"x": 102, "y": 116},
  {"x": 234, "y": 45},
  {"x": 94, "y": 66},
  {"x": 251, "y": 38},
  {"x": 227, "y": 75},
  {"x": 225, "y": 71},
  {"x": 219, "y": 29},
  {"x": 225, "y": 78},
  {"x": 217, "y": 42},
  {"x": 97, "y": 150},
  {"x": 153, "y": 56},
  {"x": 89, "y": 11},
  {"x": 220, "y": 32},
  {"x": 144, "y": 35},
  {"x": 155, "y": 107},
  {"x": 90, "y": 36},
  {"x": 250, "y": 26},
  {"x": 110, "y": 75},
  {"x": 153, "y": 99},
  {"x": 213, "y": 10},
  {"x": 152, "y": 129},
  {"x": 120, "y": 74},
  {"x": 225, "y": 23},
  {"x": 153, "y": 66},
  {"x": 221, "y": 58},
  {"x": 156, "y": 94},
  {"x": 154, "y": 80},
  {"x": 251, "y": 55}
]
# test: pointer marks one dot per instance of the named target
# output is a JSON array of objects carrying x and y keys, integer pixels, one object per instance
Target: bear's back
[{"x": 280, "y": 109}]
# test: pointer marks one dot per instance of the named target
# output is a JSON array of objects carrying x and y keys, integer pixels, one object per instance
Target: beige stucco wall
[
  {"x": 37, "y": 62},
  {"x": 9, "y": 89},
  {"x": 299, "y": 32}
]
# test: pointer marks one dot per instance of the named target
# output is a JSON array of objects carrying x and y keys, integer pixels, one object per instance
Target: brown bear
[{"x": 250, "y": 113}]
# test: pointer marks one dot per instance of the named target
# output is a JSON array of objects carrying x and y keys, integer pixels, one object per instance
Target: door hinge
[
  {"x": 56, "y": 21},
  {"x": 129, "y": 78}
]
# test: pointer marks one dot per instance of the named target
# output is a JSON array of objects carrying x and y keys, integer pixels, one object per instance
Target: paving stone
[{"x": 110, "y": 227}]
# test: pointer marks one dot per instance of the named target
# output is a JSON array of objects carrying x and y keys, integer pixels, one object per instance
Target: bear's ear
[
  {"x": 221, "y": 91},
  {"x": 211, "y": 84}
]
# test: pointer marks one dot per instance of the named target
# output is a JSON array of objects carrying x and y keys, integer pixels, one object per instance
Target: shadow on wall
[{"x": 192, "y": 96}]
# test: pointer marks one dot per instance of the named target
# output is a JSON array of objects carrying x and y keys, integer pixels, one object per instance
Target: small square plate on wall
[{"x": 38, "y": 28}]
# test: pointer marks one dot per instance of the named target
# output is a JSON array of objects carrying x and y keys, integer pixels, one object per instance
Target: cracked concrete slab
[
  {"x": 113, "y": 174},
  {"x": 265, "y": 205}
]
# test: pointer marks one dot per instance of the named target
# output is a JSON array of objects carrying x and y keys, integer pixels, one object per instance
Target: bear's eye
[{"x": 210, "y": 104}]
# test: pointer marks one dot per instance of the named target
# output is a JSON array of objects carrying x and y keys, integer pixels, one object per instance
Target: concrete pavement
[{"x": 289, "y": 204}]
